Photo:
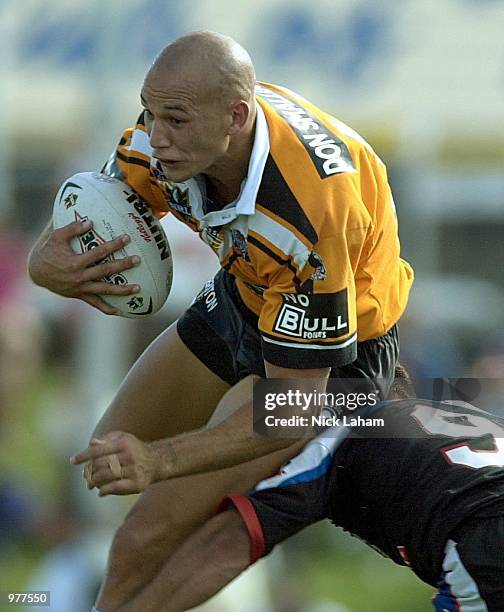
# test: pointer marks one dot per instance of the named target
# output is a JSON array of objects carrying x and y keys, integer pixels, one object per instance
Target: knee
[
  {"x": 126, "y": 553},
  {"x": 136, "y": 550}
]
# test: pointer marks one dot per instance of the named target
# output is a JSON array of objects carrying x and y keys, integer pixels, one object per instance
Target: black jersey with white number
[{"x": 404, "y": 487}]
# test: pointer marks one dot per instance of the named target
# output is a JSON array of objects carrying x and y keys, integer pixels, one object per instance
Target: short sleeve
[{"x": 309, "y": 317}]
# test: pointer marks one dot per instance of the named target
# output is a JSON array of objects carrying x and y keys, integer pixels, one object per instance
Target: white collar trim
[{"x": 245, "y": 205}]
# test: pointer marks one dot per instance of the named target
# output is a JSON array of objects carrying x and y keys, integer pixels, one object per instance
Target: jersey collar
[{"x": 245, "y": 204}]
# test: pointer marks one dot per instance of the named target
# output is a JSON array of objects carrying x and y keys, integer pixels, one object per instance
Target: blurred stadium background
[{"x": 421, "y": 80}]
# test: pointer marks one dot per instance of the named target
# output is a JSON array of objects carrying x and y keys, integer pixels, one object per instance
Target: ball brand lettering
[
  {"x": 89, "y": 240},
  {"x": 141, "y": 227},
  {"x": 145, "y": 213},
  {"x": 116, "y": 279}
]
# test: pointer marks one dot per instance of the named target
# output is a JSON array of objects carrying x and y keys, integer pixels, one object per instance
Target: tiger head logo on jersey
[
  {"x": 240, "y": 244},
  {"x": 178, "y": 199},
  {"x": 214, "y": 237},
  {"x": 316, "y": 262}
]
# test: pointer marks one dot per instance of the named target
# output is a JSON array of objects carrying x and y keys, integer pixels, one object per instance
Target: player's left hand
[{"x": 119, "y": 464}]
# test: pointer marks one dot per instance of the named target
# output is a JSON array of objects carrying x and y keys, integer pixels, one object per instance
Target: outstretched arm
[{"x": 227, "y": 442}]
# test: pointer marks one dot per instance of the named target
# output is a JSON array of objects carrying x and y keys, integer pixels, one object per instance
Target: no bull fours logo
[{"x": 296, "y": 318}]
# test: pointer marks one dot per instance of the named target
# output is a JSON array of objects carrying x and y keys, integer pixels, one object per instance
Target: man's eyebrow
[
  {"x": 166, "y": 106},
  {"x": 175, "y": 108}
]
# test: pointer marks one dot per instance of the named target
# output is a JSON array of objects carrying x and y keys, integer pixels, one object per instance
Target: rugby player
[
  {"x": 298, "y": 209},
  {"x": 426, "y": 490}
]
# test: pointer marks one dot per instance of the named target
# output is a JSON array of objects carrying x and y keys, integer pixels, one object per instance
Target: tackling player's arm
[
  {"x": 53, "y": 264},
  {"x": 228, "y": 443},
  {"x": 233, "y": 440}
]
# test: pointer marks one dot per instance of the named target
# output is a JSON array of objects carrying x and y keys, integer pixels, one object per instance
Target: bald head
[{"x": 219, "y": 64}]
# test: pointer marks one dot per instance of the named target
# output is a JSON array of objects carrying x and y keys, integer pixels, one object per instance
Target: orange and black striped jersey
[{"x": 312, "y": 238}]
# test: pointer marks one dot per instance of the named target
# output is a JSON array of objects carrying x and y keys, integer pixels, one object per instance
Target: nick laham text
[{"x": 322, "y": 421}]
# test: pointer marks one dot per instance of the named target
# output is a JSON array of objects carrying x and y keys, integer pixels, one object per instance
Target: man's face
[{"x": 187, "y": 126}]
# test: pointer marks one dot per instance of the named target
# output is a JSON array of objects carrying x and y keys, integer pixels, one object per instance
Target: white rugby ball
[{"x": 115, "y": 209}]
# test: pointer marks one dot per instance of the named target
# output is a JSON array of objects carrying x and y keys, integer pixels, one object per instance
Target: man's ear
[{"x": 240, "y": 112}]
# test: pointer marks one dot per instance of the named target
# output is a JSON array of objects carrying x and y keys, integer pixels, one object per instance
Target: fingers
[
  {"x": 103, "y": 250},
  {"x": 104, "y": 463},
  {"x": 105, "y": 475},
  {"x": 98, "y": 303},
  {"x": 91, "y": 259},
  {"x": 113, "y": 466},
  {"x": 124, "y": 486},
  {"x": 87, "y": 474},
  {"x": 104, "y": 288},
  {"x": 108, "y": 268},
  {"x": 77, "y": 228},
  {"x": 93, "y": 451},
  {"x": 96, "y": 272},
  {"x": 102, "y": 477}
]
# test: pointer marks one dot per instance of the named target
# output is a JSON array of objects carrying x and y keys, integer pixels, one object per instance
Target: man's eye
[
  {"x": 176, "y": 121},
  {"x": 148, "y": 119}
]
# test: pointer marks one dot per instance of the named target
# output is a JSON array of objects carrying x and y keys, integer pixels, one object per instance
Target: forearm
[
  {"x": 230, "y": 443},
  {"x": 233, "y": 440}
]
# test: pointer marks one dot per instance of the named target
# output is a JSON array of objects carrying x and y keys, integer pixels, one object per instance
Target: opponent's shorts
[
  {"x": 473, "y": 568},
  {"x": 223, "y": 333}
]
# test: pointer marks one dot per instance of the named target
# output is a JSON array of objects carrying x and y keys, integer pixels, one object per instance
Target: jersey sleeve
[
  {"x": 309, "y": 317},
  {"x": 131, "y": 163},
  {"x": 298, "y": 496}
]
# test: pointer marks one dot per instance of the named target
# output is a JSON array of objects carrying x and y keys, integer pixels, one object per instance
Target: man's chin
[{"x": 177, "y": 172}]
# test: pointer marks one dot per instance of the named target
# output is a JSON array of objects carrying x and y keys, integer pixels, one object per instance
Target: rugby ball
[{"x": 115, "y": 209}]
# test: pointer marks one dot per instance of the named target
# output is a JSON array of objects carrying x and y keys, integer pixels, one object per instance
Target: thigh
[
  {"x": 168, "y": 391},
  {"x": 237, "y": 395},
  {"x": 168, "y": 512}
]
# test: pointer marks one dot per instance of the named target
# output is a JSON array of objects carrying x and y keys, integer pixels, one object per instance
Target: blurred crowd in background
[{"x": 421, "y": 80}]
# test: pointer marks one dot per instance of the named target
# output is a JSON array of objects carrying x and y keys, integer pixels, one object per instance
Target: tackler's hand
[{"x": 118, "y": 464}]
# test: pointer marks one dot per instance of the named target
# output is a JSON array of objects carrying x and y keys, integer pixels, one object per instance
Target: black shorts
[
  {"x": 223, "y": 333},
  {"x": 473, "y": 566}
]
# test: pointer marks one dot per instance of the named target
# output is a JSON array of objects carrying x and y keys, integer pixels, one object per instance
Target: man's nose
[{"x": 158, "y": 137}]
